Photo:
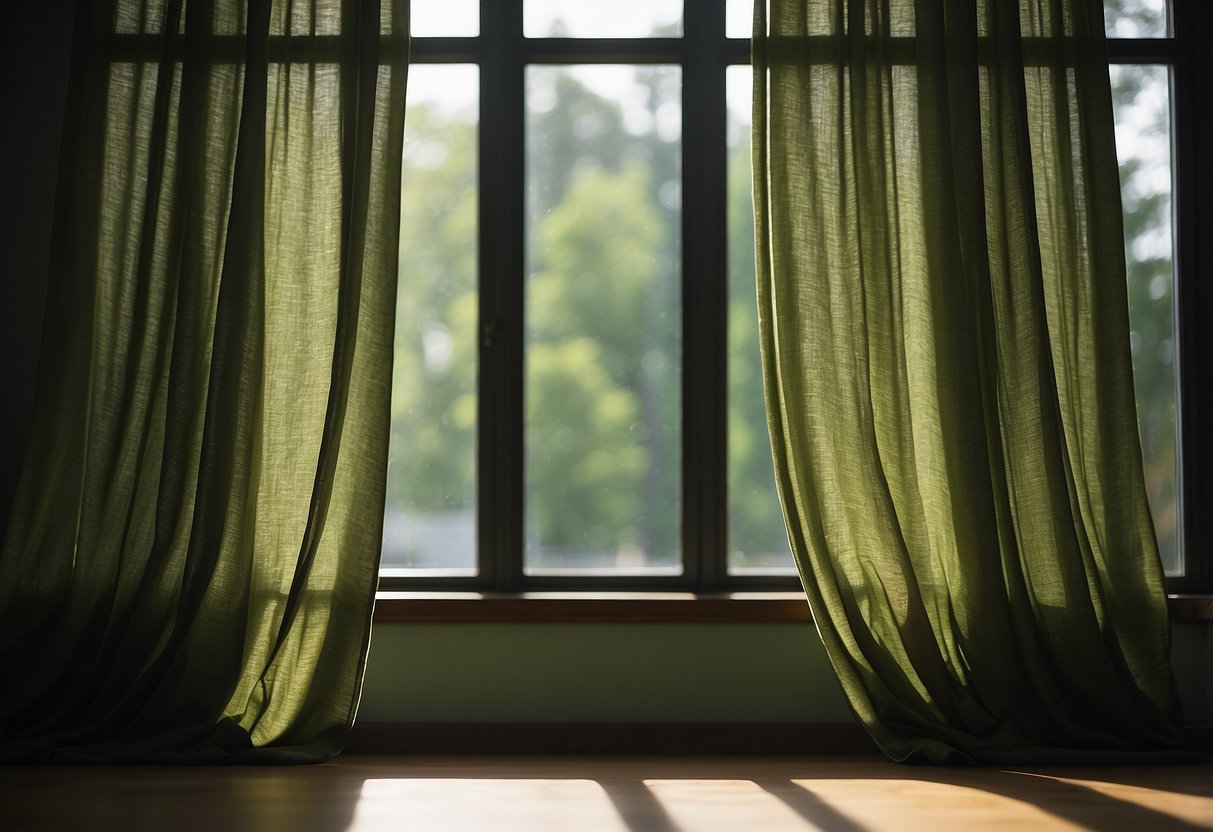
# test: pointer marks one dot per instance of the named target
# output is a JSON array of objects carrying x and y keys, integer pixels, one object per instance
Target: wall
[
  {"x": 442, "y": 672},
  {"x": 599, "y": 672},
  {"x": 641, "y": 673},
  {"x": 1192, "y": 657}
]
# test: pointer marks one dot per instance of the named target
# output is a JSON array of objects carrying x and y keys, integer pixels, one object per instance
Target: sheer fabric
[
  {"x": 945, "y": 343},
  {"x": 191, "y": 559}
]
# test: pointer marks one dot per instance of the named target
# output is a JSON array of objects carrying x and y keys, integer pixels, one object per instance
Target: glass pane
[
  {"x": 1136, "y": 18},
  {"x": 1141, "y": 98},
  {"x": 431, "y": 510},
  {"x": 739, "y": 18},
  {"x": 443, "y": 19},
  {"x": 602, "y": 18},
  {"x": 603, "y": 325},
  {"x": 758, "y": 544}
]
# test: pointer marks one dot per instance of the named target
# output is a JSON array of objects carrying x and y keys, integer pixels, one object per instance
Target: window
[
  {"x": 577, "y": 399},
  {"x": 1160, "y": 78},
  {"x": 561, "y": 415}
]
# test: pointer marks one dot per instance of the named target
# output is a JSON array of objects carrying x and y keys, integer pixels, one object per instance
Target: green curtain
[
  {"x": 949, "y": 391},
  {"x": 190, "y": 562}
]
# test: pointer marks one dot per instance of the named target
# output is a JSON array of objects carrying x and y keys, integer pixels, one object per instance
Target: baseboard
[
  {"x": 662, "y": 738},
  {"x": 1201, "y": 738},
  {"x": 609, "y": 738}
]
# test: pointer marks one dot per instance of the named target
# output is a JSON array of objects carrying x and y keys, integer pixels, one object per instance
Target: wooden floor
[{"x": 629, "y": 794}]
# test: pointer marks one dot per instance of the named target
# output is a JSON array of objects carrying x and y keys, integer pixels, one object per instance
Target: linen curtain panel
[
  {"x": 191, "y": 559},
  {"x": 944, "y": 330}
]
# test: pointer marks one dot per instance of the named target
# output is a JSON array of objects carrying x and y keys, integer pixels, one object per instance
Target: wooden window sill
[
  {"x": 637, "y": 607},
  {"x": 1191, "y": 607}
]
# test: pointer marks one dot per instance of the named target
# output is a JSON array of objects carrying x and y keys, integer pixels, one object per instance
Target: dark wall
[{"x": 35, "y": 51}]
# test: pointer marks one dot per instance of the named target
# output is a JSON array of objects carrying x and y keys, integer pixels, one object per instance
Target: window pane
[
  {"x": 1136, "y": 18},
  {"x": 1141, "y": 98},
  {"x": 602, "y": 18},
  {"x": 758, "y": 543},
  {"x": 739, "y": 18},
  {"x": 603, "y": 325},
  {"x": 443, "y": 19},
  {"x": 430, "y": 520}
]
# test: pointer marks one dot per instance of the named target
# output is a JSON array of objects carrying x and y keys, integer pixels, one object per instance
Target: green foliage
[
  {"x": 433, "y": 392},
  {"x": 756, "y": 528},
  {"x": 598, "y": 265},
  {"x": 600, "y": 280},
  {"x": 1146, "y": 202},
  {"x": 587, "y": 463}
]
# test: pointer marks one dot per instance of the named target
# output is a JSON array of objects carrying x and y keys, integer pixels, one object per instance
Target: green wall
[
  {"x": 640, "y": 673},
  {"x": 599, "y": 672}
]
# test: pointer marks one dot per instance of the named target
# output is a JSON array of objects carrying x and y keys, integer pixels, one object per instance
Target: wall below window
[
  {"x": 599, "y": 673},
  {"x": 1192, "y": 656},
  {"x": 642, "y": 673}
]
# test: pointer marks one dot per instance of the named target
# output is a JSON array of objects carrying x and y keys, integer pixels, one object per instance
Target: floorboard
[{"x": 621, "y": 794}]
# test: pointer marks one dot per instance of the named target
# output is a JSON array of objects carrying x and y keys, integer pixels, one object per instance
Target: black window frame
[{"x": 704, "y": 52}]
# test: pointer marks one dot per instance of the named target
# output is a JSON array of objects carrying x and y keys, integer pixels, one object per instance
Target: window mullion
[
  {"x": 500, "y": 452},
  {"x": 704, "y": 296}
]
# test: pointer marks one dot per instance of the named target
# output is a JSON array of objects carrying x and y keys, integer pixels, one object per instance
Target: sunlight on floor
[
  {"x": 482, "y": 804},
  {"x": 1190, "y": 808},
  {"x": 770, "y": 801},
  {"x": 917, "y": 804},
  {"x": 367, "y": 793},
  {"x": 666, "y": 805},
  {"x": 731, "y": 804}
]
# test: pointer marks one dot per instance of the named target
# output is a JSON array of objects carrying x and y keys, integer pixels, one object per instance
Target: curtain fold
[
  {"x": 190, "y": 563},
  {"x": 944, "y": 332}
]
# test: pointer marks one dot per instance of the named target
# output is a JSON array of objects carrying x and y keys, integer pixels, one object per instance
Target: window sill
[
  {"x": 1191, "y": 607},
  {"x": 637, "y": 607}
]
